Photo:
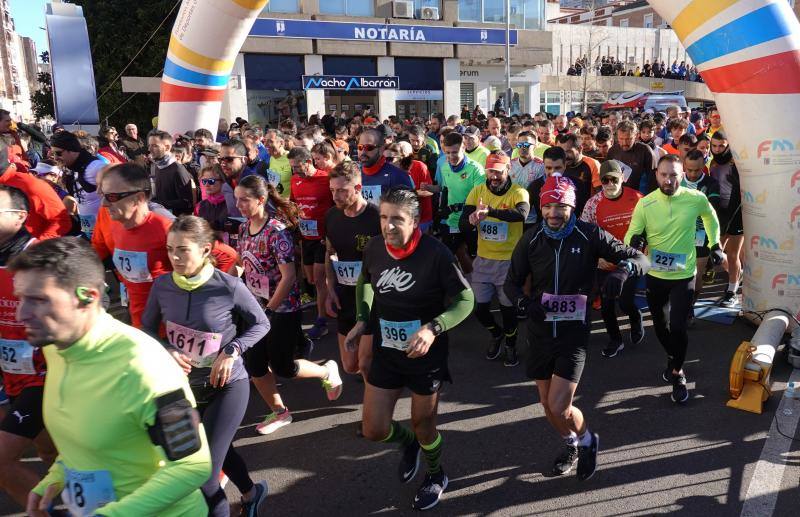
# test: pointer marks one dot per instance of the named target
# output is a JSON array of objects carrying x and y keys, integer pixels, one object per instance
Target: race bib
[
  {"x": 258, "y": 283},
  {"x": 699, "y": 238},
  {"x": 308, "y": 228},
  {"x": 495, "y": 231},
  {"x": 372, "y": 194},
  {"x": 666, "y": 262},
  {"x": 85, "y": 491},
  {"x": 396, "y": 334},
  {"x": 201, "y": 347},
  {"x": 132, "y": 265},
  {"x": 123, "y": 295},
  {"x": 564, "y": 307},
  {"x": 273, "y": 178},
  {"x": 16, "y": 356},
  {"x": 87, "y": 224},
  {"x": 626, "y": 170},
  {"x": 347, "y": 273},
  {"x": 454, "y": 229}
]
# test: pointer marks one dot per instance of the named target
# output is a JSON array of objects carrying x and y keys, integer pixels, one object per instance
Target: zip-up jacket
[
  {"x": 222, "y": 305},
  {"x": 566, "y": 266}
]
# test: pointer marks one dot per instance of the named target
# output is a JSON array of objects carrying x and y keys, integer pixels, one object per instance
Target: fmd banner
[
  {"x": 314, "y": 29},
  {"x": 350, "y": 82}
]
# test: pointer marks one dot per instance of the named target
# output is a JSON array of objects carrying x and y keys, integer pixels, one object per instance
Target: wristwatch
[
  {"x": 627, "y": 266},
  {"x": 436, "y": 327},
  {"x": 230, "y": 350},
  {"x": 269, "y": 312}
]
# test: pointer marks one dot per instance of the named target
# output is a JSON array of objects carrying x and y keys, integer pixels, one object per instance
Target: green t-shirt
[
  {"x": 280, "y": 174},
  {"x": 478, "y": 155},
  {"x": 458, "y": 185},
  {"x": 99, "y": 399}
]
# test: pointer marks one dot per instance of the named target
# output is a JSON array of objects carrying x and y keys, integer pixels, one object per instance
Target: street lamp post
[{"x": 508, "y": 57}]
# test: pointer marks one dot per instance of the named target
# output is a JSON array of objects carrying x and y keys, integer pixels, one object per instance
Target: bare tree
[{"x": 597, "y": 36}]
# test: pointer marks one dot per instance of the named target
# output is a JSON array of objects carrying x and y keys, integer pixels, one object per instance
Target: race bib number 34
[
  {"x": 85, "y": 491},
  {"x": 397, "y": 334},
  {"x": 566, "y": 307}
]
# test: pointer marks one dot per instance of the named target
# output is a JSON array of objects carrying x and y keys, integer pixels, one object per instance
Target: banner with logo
[
  {"x": 350, "y": 82},
  {"x": 747, "y": 54}
]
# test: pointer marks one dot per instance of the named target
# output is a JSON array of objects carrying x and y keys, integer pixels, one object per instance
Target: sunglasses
[
  {"x": 228, "y": 159},
  {"x": 609, "y": 179},
  {"x": 523, "y": 145},
  {"x": 113, "y": 197},
  {"x": 209, "y": 181},
  {"x": 367, "y": 147}
]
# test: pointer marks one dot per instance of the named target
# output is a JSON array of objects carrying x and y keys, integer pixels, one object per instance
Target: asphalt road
[{"x": 656, "y": 457}]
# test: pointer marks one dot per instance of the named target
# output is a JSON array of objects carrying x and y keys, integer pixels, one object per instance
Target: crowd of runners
[{"x": 209, "y": 248}]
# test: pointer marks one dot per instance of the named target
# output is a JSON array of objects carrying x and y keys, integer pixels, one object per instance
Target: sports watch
[{"x": 436, "y": 327}]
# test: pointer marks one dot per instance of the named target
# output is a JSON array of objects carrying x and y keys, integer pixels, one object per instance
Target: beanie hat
[{"x": 557, "y": 189}]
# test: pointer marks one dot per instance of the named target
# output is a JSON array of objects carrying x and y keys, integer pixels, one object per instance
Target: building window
[
  {"x": 648, "y": 21},
  {"x": 283, "y": 6},
  {"x": 525, "y": 14},
  {"x": 623, "y": 22},
  {"x": 347, "y": 7}
]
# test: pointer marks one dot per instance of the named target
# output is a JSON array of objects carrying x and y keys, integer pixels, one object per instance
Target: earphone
[{"x": 83, "y": 295}]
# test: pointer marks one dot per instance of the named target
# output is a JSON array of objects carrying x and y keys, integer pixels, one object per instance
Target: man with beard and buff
[
  {"x": 422, "y": 152},
  {"x": 723, "y": 169},
  {"x": 560, "y": 255},
  {"x": 350, "y": 223},
  {"x": 378, "y": 175},
  {"x": 696, "y": 179},
  {"x": 665, "y": 222},
  {"x": 638, "y": 159},
  {"x": 611, "y": 209},
  {"x": 173, "y": 187},
  {"x": 525, "y": 167},
  {"x": 579, "y": 167},
  {"x": 555, "y": 163},
  {"x": 232, "y": 156},
  {"x": 498, "y": 209}
]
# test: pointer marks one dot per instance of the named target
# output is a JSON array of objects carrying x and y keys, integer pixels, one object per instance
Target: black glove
[
  {"x": 612, "y": 287},
  {"x": 638, "y": 242},
  {"x": 531, "y": 308},
  {"x": 717, "y": 255}
]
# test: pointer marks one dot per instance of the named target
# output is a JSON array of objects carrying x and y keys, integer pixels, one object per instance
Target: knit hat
[
  {"x": 557, "y": 189},
  {"x": 66, "y": 141}
]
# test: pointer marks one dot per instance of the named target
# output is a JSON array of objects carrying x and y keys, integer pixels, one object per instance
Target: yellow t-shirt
[
  {"x": 496, "y": 238},
  {"x": 280, "y": 174}
]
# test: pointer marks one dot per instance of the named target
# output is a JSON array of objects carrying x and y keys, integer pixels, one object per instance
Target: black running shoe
[
  {"x": 495, "y": 347},
  {"x": 667, "y": 375},
  {"x": 613, "y": 348},
  {"x": 566, "y": 461},
  {"x": 431, "y": 491},
  {"x": 679, "y": 392},
  {"x": 409, "y": 463},
  {"x": 587, "y": 458},
  {"x": 729, "y": 300},
  {"x": 637, "y": 332},
  {"x": 708, "y": 276},
  {"x": 511, "y": 356}
]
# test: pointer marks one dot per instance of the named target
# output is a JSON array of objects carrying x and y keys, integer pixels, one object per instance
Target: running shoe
[
  {"x": 333, "y": 384},
  {"x": 319, "y": 329},
  {"x": 637, "y": 332},
  {"x": 273, "y": 422},
  {"x": 667, "y": 375},
  {"x": 613, "y": 348},
  {"x": 566, "y": 461},
  {"x": 729, "y": 300},
  {"x": 679, "y": 392},
  {"x": 708, "y": 276},
  {"x": 511, "y": 356},
  {"x": 495, "y": 346},
  {"x": 306, "y": 301},
  {"x": 431, "y": 491},
  {"x": 409, "y": 462},
  {"x": 250, "y": 509},
  {"x": 587, "y": 458},
  {"x": 223, "y": 479}
]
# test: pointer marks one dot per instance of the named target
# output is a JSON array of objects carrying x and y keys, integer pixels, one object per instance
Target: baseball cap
[
  {"x": 611, "y": 168},
  {"x": 497, "y": 162},
  {"x": 42, "y": 169},
  {"x": 472, "y": 131},
  {"x": 343, "y": 145}
]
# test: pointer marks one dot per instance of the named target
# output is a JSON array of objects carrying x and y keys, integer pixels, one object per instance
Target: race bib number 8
[
  {"x": 85, "y": 491},
  {"x": 347, "y": 273},
  {"x": 667, "y": 262},
  {"x": 132, "y": 265},
  {"x": 16, "y": 356},
  {"x": 372, "y": 194},
  {"x": 396, "y": 334},
  {"x": 496, "y": 231},
  {"x": 567, "y": 307},
  {"x": 308, "y": 228},
  {"x": 201, "y": 347}
]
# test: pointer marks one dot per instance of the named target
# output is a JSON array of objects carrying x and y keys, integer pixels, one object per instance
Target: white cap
[{"x": 42, "y": 169}]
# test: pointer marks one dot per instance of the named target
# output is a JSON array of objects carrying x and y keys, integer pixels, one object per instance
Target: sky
[{"x": 28, "y": 17}]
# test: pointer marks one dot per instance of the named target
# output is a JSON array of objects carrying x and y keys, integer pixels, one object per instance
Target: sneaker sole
[
  {"x": 274, "y": 428},
  {"x": 641, "y": 338},
  {"x": 619, "y": 349},
  {"x": 597, "y": 449},
  {"x": 413, "y": 474},
  {"x": 492, "y": 357},
  {"x": 511, "y": 365},
  {"x": 334, "y": 393},
  {"x": 444, "y": 487},
  {"x": 672, "y": 397}
]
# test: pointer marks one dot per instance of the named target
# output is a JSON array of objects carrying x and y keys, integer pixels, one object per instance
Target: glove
[
  {"x": 717, "y": 255},
  {"x": 612, "y": 287},
  {"x": 639, "y": 242},
  {"x": 531, "y": 309}
]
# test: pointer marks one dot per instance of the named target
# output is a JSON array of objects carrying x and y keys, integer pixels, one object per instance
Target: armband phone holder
[{"x": 176, "y": 428}]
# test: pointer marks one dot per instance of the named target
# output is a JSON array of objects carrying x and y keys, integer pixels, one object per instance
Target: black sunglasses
[
  {"x": 609, "y": 179},
  {"x": 228, "y": 159},
  {"x": 209, "y": 181},
  {"x": 113, "y": 197}
]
